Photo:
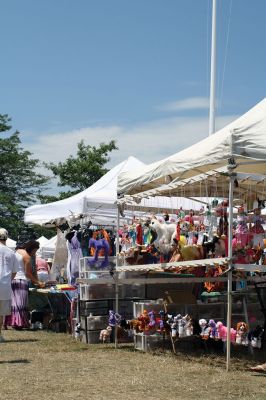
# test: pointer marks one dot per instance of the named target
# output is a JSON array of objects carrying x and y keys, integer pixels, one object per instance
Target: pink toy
[
  {"x": 105, "y": 334},
  {"x": 222, "y": 332}
]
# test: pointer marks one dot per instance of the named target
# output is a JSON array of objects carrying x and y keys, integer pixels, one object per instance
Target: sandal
[{"x": 258, "y": 368}]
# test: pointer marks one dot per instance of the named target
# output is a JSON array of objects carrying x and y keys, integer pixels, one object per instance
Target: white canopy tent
[
  {"x": 99, "y": 201},
  {"x": 48, "y": 248},
  {"x": 231, "y": 160},
  {"x": 11, "y": 243},
  {"x": 244, "y": 139},
  {"x": 42, "y": 240}
]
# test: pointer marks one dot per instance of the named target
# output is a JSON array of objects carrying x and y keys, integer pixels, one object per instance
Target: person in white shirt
[{"x": 8, "y": 268}]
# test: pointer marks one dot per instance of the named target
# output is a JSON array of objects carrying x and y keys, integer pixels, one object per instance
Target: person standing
[
  {"x": 20, "y": 317},
  {"x": 43, "y": 269},
  {"x": 8, "y": 269}
]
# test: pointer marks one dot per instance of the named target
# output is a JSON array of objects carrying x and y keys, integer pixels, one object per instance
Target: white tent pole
[
  {"x": 229, "y": 276},
  {"x": 213, "y": 71},
  {"x": 116, "y": 276}
]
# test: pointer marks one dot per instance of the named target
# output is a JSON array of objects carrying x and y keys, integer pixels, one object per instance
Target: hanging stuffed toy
[
  {"x": 241, "y": 233},
  {"x": 114, "y": 318},
  {"x": 163, "y": 235},
  {"x": 152, "y": 323},
  {"x": 100, "y": 244},
  {"x": 257, "y": 230},
  {"x": 139, "y": 235}
]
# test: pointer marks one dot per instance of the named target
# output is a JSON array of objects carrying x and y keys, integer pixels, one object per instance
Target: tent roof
[
  {"x": 42, "y": 240},
  {"x": 214, "y": 184},
  {"x": 98, "y": 202},
  {"x": 104, "y": 191},
  {"x": 244, "y": 139}
]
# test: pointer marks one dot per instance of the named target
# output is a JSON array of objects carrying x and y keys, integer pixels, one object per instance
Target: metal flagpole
[
  {"x": 229, "y": 275},
  {"x": 115, "y": 275},
  {"x": 213, "y": 71}
]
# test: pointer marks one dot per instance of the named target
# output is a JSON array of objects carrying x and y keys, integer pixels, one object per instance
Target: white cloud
[
  {"x": 148, "y": 141},
  {"x": 191, "y": 103}
]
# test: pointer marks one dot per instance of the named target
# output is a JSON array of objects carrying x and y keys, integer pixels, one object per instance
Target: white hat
[
  {"x": 49, "y": 260},
  {"x": 3, "y": 234}
]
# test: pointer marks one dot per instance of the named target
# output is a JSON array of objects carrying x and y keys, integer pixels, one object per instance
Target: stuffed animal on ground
[
  {"x": 213, "y": 331},
  {"x": 222, "y": 332},
  {"x": 101, "y": 244},
  {"x": 173, "y": 322},
  {"x": 205, "y": 329},
  {"x": 255, "y": 337},
  {"x": 105, "y": 334},
  {"x": 242, "y": 333},
  {"x": 162, "y": 323},
  {"x": 188, "y": 328}
]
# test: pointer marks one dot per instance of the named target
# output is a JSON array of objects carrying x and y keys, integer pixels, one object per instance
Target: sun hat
[{"x": 3, "y": 234}]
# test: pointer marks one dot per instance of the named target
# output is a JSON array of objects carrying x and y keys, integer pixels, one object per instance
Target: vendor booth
[{"x": 230, "y": 164}]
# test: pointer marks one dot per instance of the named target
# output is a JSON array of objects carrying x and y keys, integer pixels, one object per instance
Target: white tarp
[
  {"x": 244, "y": 139},
  {"x": 11, "y": 243},
  {"x": 99, "y": 201}
]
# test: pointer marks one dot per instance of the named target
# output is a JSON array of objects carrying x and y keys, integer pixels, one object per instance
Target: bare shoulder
[{"x": 26, "y": 257}]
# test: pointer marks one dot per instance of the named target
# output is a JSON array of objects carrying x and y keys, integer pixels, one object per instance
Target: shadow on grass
[
  {"x": 21, "y": 340},
  {"x": 19, "y": 361}
]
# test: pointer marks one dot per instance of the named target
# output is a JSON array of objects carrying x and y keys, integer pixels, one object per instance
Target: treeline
[{"x": 22, "y": 185}]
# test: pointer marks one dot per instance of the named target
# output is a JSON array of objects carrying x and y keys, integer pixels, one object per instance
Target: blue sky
[{"x": 132, "y": 70}]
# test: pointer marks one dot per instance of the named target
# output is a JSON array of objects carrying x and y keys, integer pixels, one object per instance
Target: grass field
[{"x": 45, "y": 365}]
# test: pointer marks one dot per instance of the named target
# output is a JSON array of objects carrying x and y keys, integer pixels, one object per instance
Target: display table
[{"x": 54, "y": 305}]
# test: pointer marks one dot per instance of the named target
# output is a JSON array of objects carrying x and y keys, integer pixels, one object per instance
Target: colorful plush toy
[
  {"x": 213, "y": 330},
  {"x": 105, "y": 334},
  {"x": 164, "y": 233},
  {"x": 173, "y": 322},
  {"x": 144, "y": 321},
  {"x": 205, "y": 329},
  {"x": 100, "y": 244},
  {"x": 188, "y": 328},
  {"x": 242, "y": 333},
  {"x": 152, "y": 321},
  {"x": 257, "y": 230},
  {"x": 114, "y": 318},
  {"x": 222, "y": 332},
  {"x": 255, "y": 337}
]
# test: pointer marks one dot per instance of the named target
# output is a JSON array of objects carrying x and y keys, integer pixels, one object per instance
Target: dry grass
[{"x": 43, "y": 365}]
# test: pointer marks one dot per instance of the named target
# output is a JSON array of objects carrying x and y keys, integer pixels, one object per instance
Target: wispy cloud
[
  {"x": 191, "y": 103},
  {"x": 148, "y": 141}
]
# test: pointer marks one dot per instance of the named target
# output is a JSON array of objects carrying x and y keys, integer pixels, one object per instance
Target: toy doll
[
  {"x": 205, "y": 329},
  {"x": 257, "y": 230},
  {"x": 213, "y": 331}
]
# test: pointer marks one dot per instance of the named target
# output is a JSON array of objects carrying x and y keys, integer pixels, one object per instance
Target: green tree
[
  {"x": 20, "y": 183},
  {"x": 81, "y": 172}
]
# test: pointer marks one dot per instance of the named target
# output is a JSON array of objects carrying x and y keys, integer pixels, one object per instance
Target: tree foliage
[
  {"x": 20, "y": 183},
  {"x": 85, "y": 169}
]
